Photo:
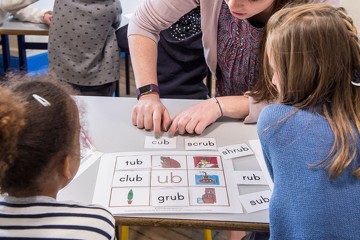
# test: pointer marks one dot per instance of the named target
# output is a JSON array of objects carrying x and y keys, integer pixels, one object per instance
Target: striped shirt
[{"x": 44, "y": 218}]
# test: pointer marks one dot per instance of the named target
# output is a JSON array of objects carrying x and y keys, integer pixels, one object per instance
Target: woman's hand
[
  {"x": 150, "y": 113},
  {"x": 196, "y": 118}
]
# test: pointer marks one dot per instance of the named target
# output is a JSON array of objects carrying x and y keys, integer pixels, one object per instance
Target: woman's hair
[
  {"x": 315, "y": 51},
  {"x": 38, "y": 125},
  {"x": 260, "y": 91}
]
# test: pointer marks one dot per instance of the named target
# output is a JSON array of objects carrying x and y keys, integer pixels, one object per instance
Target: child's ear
[{"x": 66, "y": 168}]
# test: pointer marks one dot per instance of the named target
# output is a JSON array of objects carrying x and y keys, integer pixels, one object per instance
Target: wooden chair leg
[{"x": 207, "y": 234}]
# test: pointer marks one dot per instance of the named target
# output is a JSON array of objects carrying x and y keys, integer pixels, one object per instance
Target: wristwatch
[{"x": 146, "y": 90}]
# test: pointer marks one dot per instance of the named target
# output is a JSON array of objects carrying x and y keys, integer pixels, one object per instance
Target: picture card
[
  {"x": 212, "y": 196},
  {"x": 129, "y": 197},
  {"x": 169, "y": 162}
]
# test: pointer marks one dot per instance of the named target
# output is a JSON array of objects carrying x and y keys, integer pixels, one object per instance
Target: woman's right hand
[{"x": 150, "y": 113}]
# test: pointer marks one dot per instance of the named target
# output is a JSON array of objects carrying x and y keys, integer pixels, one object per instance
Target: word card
[
  {"x": 163, "y": 142},
  {"x": 235, "y": 151},
  {"x": 200, "y": 144}
]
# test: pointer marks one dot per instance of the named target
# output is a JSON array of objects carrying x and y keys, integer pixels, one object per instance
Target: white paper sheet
[
  {"x": 256, "y": 146},
  {"x": 177, "y": 181}
]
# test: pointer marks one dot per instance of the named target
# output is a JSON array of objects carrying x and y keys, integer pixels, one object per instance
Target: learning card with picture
[{"x": 167, "y": 182}]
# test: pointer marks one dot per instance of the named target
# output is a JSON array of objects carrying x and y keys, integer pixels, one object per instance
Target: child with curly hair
[{"x": 39, "y": 155}]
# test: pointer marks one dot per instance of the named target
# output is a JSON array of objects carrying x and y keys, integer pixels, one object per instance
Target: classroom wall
[{"x": 353, "y": 8}]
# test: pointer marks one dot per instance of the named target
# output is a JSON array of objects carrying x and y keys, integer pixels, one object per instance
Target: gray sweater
[{"x": 82, "y": 43}]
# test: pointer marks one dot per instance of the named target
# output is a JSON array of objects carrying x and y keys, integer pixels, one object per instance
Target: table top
[
  {"x": 15, "y": 27},
  {"x": 108, "y": 123}
]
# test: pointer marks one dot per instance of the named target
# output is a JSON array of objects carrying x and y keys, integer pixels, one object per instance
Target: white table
[{"x": 108, "y": 121}]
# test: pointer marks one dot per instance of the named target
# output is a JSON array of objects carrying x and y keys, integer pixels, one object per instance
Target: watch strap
[{"x": 146, "y": 90}]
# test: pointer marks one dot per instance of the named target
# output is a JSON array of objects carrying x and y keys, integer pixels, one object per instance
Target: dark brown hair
[
  {"x": 40, "y": 135},
  {"x": 261, "y": 91}
]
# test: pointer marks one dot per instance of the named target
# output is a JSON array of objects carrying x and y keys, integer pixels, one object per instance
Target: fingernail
[
  {"x": 157, "y": 136},
  {"x": 169, "y": 134}
]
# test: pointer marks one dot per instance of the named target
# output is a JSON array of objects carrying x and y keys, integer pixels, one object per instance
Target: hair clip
[
  {"x": 41, "y": 100},
  {"x": 356, "y": 81}
]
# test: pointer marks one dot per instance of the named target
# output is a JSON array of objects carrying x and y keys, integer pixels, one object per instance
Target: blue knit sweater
[{"x": 305, "y": 203}]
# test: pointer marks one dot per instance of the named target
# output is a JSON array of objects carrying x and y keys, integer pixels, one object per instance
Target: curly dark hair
[{"x": 34, "y": 135}]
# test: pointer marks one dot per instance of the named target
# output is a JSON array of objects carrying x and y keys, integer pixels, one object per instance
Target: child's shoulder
[
  {"x": 72, "y": 218},
  {"x": 275, "y": 112},
  {"x": 85, "y": 207}
]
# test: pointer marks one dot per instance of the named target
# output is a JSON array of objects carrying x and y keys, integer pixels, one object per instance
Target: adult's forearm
[
  {"x": 143, "y": 52},
  {"x": 234, "y": 106}
]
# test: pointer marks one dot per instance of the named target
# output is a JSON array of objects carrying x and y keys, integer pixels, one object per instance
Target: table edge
[
  {"x": 24, "y": 32},
  {"x": 191, "y": 223}
]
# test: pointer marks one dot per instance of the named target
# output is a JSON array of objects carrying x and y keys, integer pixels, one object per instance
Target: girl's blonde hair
[{"x": 315, "y": 51}]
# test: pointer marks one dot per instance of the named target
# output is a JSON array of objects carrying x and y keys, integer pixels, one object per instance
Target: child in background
[
  {"x": 21, "y": 10},
  {"x": 311, "y": 138},
  {"x": 83, "y": 49},
  {"x": 40, "y": 154}
]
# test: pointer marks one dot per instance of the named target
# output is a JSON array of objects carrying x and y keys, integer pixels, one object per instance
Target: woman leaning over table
[
  {"x": 22, "y": 10},
  {"x": 232, "y": 39}
]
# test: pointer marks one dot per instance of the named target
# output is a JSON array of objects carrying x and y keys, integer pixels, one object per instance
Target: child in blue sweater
[{"x": 310, "y": 139}]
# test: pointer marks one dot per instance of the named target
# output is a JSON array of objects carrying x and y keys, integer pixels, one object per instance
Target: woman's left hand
[{"x": 196, "y": 118}]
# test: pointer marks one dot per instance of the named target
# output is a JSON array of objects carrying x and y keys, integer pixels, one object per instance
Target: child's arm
[
  {"x": 15, "y": 5},
  {"x": 117, "y": 21},
  {"x": 31, "y": 14},
  {"x": 20, "y": 10}
]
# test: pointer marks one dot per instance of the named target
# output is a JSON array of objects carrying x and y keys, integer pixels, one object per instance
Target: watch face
[{"x": 146, "y": 88}]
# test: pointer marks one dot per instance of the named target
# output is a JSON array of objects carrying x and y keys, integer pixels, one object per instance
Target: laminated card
[{"x": 167, "y": 182}]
